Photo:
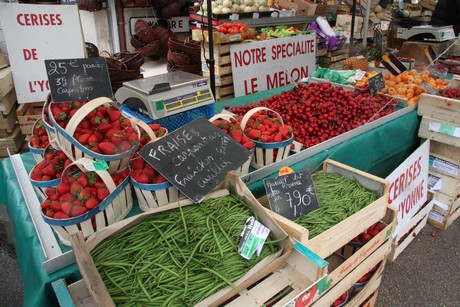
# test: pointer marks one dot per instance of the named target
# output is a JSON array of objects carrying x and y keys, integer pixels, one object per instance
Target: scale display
[{"x": 186, "y": 100}]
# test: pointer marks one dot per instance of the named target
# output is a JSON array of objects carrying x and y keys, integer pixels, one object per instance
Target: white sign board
[
  {"x": 35, "y": 33},
  {"x": 268, "y": 64},
  {"x": 408, "y": 185},
  {"x": 176, "y": 24}
]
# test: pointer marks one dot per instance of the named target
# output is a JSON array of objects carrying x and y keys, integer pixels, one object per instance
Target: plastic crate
[
  {"x": 175, "y": 121},
  {"x": 334, "y": 42}
]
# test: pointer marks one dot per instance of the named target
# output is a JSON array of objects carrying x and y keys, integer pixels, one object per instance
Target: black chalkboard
[
  {"x": 376, "y": 83},
  {"x": 78, "y": 79},
  {"x": 291, "y": 195},
  {"x": 196, "y": 157},
  {"x": 378, "y": 36}
]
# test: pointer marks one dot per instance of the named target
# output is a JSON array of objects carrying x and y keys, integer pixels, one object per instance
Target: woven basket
[
  {"x": 179, "y": 58},
  {"x": 136, "y": 41},
  {"x": 145, "y": 32},
  {"x": 131, "y": 60},
  {"x": 267, "y": 153},
  {"x": 190, "y": 48},
  {"x": 111, "y": 210},
  {"x": 124, "y": 74},
  {"x": 150, "y": 49},
  {"x": 74, "y": 150}
]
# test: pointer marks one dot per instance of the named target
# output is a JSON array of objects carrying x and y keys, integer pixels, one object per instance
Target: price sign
[
  {"x": 429, "y": 89},
  {"x": 78, "y": 79},
  {"x": 291, "y": 195},
  {"x": 376, "y": 83},
  {"x": 196, "y": 157}
]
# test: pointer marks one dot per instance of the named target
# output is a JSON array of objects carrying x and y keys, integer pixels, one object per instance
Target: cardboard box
[
  {"x": 343, "y": 22},
  {"x": 302, "y": 7}
]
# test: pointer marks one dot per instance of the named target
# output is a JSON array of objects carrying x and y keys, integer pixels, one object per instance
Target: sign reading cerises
[
  {"x": 291, "y": 195},
  {"x": 272, "y": 63},
  {"x": 78, "y": 79},
  {"x": 196, "y": 157}
]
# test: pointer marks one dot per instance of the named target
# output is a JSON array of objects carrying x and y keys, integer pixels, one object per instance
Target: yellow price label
[{"x": 285, "y": 170}]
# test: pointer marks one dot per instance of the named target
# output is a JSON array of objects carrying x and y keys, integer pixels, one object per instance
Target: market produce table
[{"x": 377, "y": 151}]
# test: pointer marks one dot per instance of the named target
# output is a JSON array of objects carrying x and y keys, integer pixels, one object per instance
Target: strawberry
[
  {"x": 60, "y": 215},
  {"x": 85, "y": 194},
  {"x": 135, "y": 173},
  {"x": 149, "y": 171},
  {"x": 254, "y": 134},
  {"x": 142, "y": 178},
  {"x": 82, "y": 179},
  {"x": 67, "y": 197},
  {"x": 50, "y": 170},
  {"x": 63, "y": 188},
  {"x": 102, "y": 193},
  {"x": 159, "y": 179},
  {"x": 83, "y": 138},
  {"x": 265, "y": 138},
  {"x": 75, "y": 188},
  {"x": 107, "y": 148},
  {"x": 138, "y": 163},
  {"x": 124, "y": 146},
  {"x": 46, "y": 204},
  {"x": 114, "y": 114},
  {"x": 155, "y": 127},
  {"x": 237, "y": 135},
  {"x": 55, "y": 205},
  {"x": 91, "y": 203},
  {"x": 248, "y": 145},
  {"x": 278, "y": 137},
  {"x": 50, "y": 191},
  {"x": 73, "y": 210},
  {"x": 285, "y": 131},
  {"x": 104, "y": 127},
  {"x": 92, "y": 140},
  {"x": 115, "y": 177},
  {"x": 125, "y": 123}
]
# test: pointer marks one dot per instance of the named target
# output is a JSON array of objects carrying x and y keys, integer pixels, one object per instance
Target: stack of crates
[{"x": 441, "y": 124}]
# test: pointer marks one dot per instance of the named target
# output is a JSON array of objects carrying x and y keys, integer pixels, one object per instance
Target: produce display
[
  {"x": 55, "y": 161},
  {"x": 75, "y": 195},
  {"x": 177, "y": 257},
  {"x": 143, "y": 172},
  {"x": 367, "y": 235},
  {"x": 104, "y": 130},
  {"x": 232, "y": 28},
  {"x": 451, "y": 93},
  {"x": 233, "y": 129},
  {"x": 338, "y": 198},
  {"x": 39, "y": 138},
  {"x": 265, "y": 128},
  {"x": 367, "y": 276},
  {"x": 320, "y": 111},
  {"x": 234, "y": 6}
]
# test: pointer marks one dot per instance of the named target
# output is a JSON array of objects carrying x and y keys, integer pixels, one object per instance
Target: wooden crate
[
  {"x": 28, "y": 113},
  {"x": 300, "y": 272},
  {"x": 6, "y": 81},
  {"x": 335, "y": 58},
  {"x": 445, "y": 150},
  {"x": 7, "y": 123},
  {"x": 443, "y": 183},
  {"x": 367, "y": 296},
  {"x": 218, "y": 37},
  {"x": 444, "y": 203},
  {"x": 13, "y": 142},
  {"x": 334, "y": 238},
  {"x": 441, "y": 220},
  {"x": 438, "y": 130},
  {"x": 438, "y": 107},
  {"x": 267, "y": 266},
  {"x": 7, "y": 102},
  {"x": 224, "y": 92},
  {"x": 445, "y": 165},
  {"x": 3, "y": 61},
  {"x": 410, "y": 230}
]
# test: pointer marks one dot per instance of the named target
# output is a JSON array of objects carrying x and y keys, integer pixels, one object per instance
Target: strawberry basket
[
  {"x": 38, "y": 141},
  {"x": 98, "y": 130},
  {"x": 148, "y": 133},
  {"x": 46, "y": 121},
  {"x": 273, "y": 143},
  {"x": 87, "y": 201},
  {"x": 47, "y": 173},
  {"x": 230, "y": 124}
]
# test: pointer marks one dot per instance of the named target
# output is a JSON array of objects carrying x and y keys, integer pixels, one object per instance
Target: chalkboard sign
[
  {"x": 376, "y": 83},
  {"x": 291, "y": 195},
  {"x": 196, "y": 157},
  {"x": 78, "y": 79},
  {"x": 378, "y": 36},
  {"x": 429, "y": 89}
]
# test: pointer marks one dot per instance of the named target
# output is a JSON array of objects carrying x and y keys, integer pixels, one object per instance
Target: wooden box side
[
  {"x": 437, "y": 130},
  {"x": 6, "y": 81},
  {"x": 445, "y": 165}
]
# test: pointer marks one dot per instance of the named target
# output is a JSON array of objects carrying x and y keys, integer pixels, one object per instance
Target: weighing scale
[
  {"x": 427, "y": 33},
  {"x": 164, "y": 95}
]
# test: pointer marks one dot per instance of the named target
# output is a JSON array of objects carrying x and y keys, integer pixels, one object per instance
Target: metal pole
[
  {"x": 366, "y": 22},
  {"x": 353, "y": 14},
  {"x": 210, "y": 61}
]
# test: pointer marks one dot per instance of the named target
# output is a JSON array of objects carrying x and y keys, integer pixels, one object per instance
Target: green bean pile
[
  {"x": 178, "y": 257},
  {"x": 339, "y": 198}
]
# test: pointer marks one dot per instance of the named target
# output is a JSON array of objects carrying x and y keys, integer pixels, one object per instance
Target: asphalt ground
[{"x": 426, "y": 273}]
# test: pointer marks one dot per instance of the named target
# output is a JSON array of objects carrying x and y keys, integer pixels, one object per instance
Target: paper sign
[
  {"x": 434, "y": 182},
  {"x": 436, "y": 216},
  {"x": 252, "y": 238},
  {"x": 292, "y": 195},
  {"x": 408, "y": 185},
  {"x": 196, "y": 157},
  {"x": 444, "y": 166},
  {"x": 35, "y": 33},
  {"x": 429, "y": 89},
  {"x": 272, "y": 63}
]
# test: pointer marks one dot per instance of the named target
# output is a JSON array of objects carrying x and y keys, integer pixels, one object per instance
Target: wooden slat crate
[
  {"x": 440, "y": 131},
  {"x": 28, "y": 113},
  {"x": 7, "y": 122},
  {"x": 224, "y": 92},
  {"x": 7, "y": 102},
  {"x": 441, "y": 220},
  {"x": 408, "y": 233},
  {"x": 443, "y": 183},
  {"x": 444, "y": 203},
  {"x": 13, "y": 142},
  {"x": 6, "y": 81},
  {"x": 445, "y": 150},
  {"x": 367, "y": 296},
  {"x": 445, "y": 165},
  {"x": 442, "y": 108}
]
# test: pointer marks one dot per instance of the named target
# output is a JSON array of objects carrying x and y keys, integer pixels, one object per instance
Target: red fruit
[
  {"x": 85, "y": 194},
  {"x": 46, "y": 204},
  {"x": 254, "y": 134},
  {"x": 379, "y": 226},
  {"x": 49, "y": 213},
  {"x": 138, "y": 163},
  {"x": 159, "y": 179},
  {"x": 114, "y": 114},
  {"x": 135, "y": 173},
  {"x": 265, "y": 138},
  {"x": 155, "y": 127},
  {"x": 107, "y": 148},
  {"x": 92, "y": 140},
  {"x": 73, "y": 210},
  {"x": 50, "y": 170},
  {"x": 365, "y": 237},
  {"x": 60, "y": 215},
  {"x": 236, "y": 134},
  {"x": 365, "y": 277},
  {"x": 285, "y": 131},
  {"x": 149, "y": 171},
  {"x": 67, "y": 197},
  {"x": 124, "y": 146},
  {"x": 75, "y": 188},
  {"x": 83, "y": 138},
  {"x": 142, "y": 178},
  {"x": 249, "y": 145},
  {"x": 278, "y": 137},
  {"x": 102, "y": 193},
  {"x": 50, "y": 192},
  {"x": 373, "y": 232},
  {"x": 104, "y": 127},
  {"x": 82, "y": 179},
  {"x": 91, "y": 203},
  {"x": 55, "y": 205}
]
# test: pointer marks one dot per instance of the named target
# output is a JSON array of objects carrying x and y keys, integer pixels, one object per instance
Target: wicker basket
[
  {"x": 150, "y": 49},
  {"x": 111, "y": 210},
  {"x": 136, "y": 41},
  {"x": 74, "y": 150},
  {"x": 131, "y": 60},
  {"x": 267, "y": 153}
]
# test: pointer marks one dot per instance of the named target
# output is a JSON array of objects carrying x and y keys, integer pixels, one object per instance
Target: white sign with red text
[
  {"x": 268, "y": 64},
  {"x": 35, "y": 33},
  {"x": 408, "y": 185}
]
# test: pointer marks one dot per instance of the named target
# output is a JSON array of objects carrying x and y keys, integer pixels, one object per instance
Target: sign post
[
  {"x": 35, "y": 33},
  {"x": 272, "y": 63}
]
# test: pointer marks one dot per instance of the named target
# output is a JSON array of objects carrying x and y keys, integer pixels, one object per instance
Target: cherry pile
[
  {"x": 451, "y": 93},
  {"x": 320, "y": 111}
]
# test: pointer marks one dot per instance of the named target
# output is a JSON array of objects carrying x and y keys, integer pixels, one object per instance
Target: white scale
[
  {"x": 164, "y": 95},
  {"x": 427, "y": 33}
]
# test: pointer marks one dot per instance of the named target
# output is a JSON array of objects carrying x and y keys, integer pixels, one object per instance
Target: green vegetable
[
  {"x": 339, "y": 198},
  {"x": 178, "y": 257}
]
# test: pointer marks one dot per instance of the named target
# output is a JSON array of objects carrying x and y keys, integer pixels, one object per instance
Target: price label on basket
[
  {"x": 78, "y": 79},
  {"x": 196, "y": 157},
  {"x": 292, "y": 195},
  {"x": 376, "y": 84}
]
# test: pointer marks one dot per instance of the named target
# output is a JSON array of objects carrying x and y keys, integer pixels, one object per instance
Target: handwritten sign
[
  {"x": 78, "y": 79},
  {"x": 291, "y": 195},
  {"x": 34, "y": 33},
  {"x": 196, "y": 157},
  {"x": 376, "y": 83}
]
